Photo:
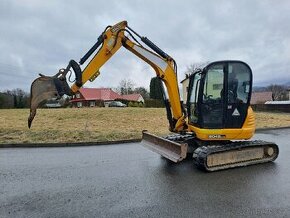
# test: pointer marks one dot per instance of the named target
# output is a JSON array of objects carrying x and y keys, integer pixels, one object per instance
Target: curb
[
  {"x": 67, "y": 144},
  {"x": 271, "y": 128}
]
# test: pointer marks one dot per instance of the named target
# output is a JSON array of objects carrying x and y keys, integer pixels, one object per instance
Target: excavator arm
[{"x": 108, "y": 43}]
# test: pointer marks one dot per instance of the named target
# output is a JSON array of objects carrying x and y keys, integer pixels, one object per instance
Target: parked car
[{"x": 117, "y": 104}]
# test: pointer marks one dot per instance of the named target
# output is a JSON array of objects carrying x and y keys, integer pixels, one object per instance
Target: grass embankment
[{"x": 97, "y": 124}]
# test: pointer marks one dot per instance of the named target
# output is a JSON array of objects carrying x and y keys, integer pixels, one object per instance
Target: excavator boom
[{"x": 108, "y": 43}]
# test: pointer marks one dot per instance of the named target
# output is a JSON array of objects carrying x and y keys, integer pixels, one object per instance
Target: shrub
[
  {"x": 155, "y": 103},
  {"x": 135, "y": 104}
]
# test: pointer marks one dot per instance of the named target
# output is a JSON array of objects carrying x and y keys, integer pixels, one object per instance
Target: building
[
  {"x": 278, "y": 102},
  {"x": 261, "y": 97},
  {"x": 91, "y": 97},
  {"x": 133, "y": 97},
  {"x": 185, "y": 84}
]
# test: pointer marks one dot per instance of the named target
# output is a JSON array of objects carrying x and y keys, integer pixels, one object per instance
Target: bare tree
[
  {"x": 142, "y": 91},
  {"x": 194, "y": 66},
  {"x": 279, "y": 92},
  {"x": 126, "y": 86},
  {"x": 20, "y": 97}
]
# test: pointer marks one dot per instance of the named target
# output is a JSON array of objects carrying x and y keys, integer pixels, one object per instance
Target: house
[
  {"x": 261, "y": 97},
  {"x": 185, "y": 84},
  {"x": 133, "y": 97},
  {"x": 91, "y": 97}
]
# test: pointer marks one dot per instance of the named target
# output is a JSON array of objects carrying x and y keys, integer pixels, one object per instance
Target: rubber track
[{"x": 200, "y": 154}]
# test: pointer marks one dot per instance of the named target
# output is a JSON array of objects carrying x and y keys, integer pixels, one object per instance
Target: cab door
[
  {"x": 239, "y": 87},
  {"x": 211, "y": 99},
  {"x": 192, "y": 98}
]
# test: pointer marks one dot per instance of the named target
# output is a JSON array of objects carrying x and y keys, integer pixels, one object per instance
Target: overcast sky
[{"x": 42, "y": 36}]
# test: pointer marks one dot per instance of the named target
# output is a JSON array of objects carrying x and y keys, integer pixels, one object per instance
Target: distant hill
[
  {"x": 263, "y": 88},
  {"x": 259, "y": 89}
]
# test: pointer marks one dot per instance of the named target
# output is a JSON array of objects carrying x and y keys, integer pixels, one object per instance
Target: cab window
[
  {"x": 214, "y": 82},
  {"x": 238, "y": 83}
]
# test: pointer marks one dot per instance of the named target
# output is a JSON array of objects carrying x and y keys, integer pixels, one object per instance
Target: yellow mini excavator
[{"x": 213, "y": 127}]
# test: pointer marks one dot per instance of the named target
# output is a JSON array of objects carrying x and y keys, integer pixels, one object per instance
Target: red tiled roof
[
  {"x": 131, "y": 97},
  {"x": 105, "y": 94},
  {"x": 261, "y": 97}
]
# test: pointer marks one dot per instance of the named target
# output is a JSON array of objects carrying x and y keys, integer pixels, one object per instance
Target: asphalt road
[{"x": 129, "y": 181}]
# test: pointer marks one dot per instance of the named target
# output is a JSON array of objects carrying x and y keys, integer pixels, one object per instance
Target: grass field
[{"x": 96, "y": 124}]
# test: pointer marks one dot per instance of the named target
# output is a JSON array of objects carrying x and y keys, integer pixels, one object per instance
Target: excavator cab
[{"x": 219, "y": 96}]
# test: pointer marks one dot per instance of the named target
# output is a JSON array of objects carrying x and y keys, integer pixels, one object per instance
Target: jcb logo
[{"x": 216, "y": 136}]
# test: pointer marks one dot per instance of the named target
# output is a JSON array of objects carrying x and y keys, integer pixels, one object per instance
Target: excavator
[{"x": 213, "y": 127}]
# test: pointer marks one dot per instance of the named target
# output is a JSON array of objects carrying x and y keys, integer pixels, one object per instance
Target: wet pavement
[{"x": 129, "y": 181}]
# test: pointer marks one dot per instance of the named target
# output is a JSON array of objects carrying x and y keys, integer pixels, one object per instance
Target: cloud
[{"x": 42, "y": 36}]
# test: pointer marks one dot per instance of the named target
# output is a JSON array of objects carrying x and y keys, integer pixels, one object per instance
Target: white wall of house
[
  {"x": 141, "y": 99},
  {"x": 185, "y": 84}
]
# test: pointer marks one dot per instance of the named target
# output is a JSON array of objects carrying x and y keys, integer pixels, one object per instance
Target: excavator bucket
[
  {"x": 173, "y": 151},
  {"x": 44, "y": 88},
  {"x": 47, "y": 87}
]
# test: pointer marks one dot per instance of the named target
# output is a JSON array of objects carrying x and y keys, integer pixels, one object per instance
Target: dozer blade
[
  {"x": 44, "y": 88},
  {"x": 171, "y": 150},
  {"x": 234, "y": 154}
]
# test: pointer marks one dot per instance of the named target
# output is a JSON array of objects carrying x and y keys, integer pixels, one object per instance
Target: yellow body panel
[{"x": 246, "y": 132}]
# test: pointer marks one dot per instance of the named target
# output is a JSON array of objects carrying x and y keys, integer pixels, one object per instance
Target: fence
[{"x": 272, "y": 107}]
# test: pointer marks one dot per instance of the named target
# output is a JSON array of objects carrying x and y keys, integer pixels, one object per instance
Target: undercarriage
[{"x": 211, "y": 155}]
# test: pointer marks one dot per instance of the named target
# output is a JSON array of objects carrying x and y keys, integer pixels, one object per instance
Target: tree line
[
  {"x": 15, "y": 98},
  {"x": 18, "y": 98},
  {"x": 279, "y": 92}
]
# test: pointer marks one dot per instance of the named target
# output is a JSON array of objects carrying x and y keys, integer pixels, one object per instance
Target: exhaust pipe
[{"x": 171, "y": 150}]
